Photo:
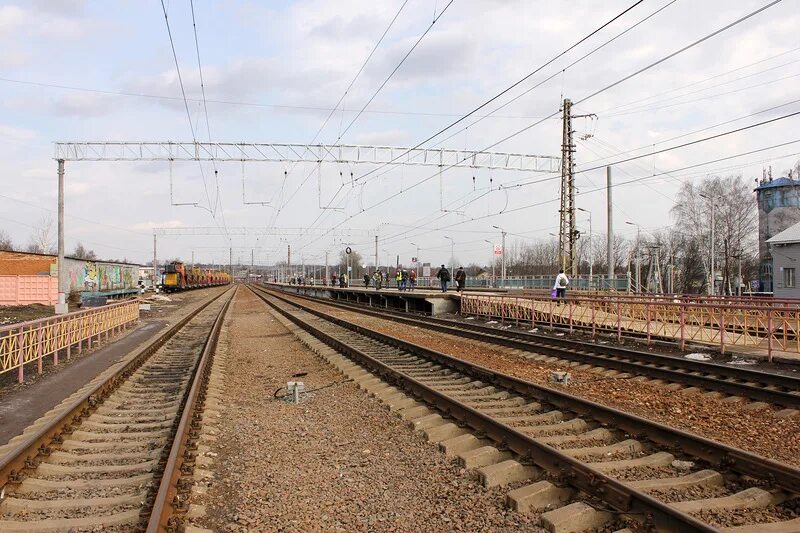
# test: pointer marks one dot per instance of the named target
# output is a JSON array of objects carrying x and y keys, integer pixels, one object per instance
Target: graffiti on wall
[{"x": 93, "y": 276}]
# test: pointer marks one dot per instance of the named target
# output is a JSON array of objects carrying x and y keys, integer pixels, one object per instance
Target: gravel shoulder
[
  {"x": 760, "y": 432},
  {"x": 338, "y": 461}
]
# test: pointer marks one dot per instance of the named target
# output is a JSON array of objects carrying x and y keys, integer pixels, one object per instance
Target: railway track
[
  {"x": 110, "y": 458},
  {"x": 557, "y": 448},
  {"x": 782, "y": 390}
]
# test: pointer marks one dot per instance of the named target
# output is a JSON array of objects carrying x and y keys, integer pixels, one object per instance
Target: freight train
[{"x": 179, "y": 278}]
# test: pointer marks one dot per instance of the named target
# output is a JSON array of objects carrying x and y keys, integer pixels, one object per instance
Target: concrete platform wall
[{"x": 428, "y": 302}]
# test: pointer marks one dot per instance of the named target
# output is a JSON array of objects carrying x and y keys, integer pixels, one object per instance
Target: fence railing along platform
[
  {"x": 29, "y": 342},
  {"x": 743, "y": 324}
]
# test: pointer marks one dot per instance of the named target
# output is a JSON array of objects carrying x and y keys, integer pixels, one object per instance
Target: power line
[
  {"x": 539, "y": 84},
  {"x": 333, "y": 110},
  {"x": 396, "y": 68},
  {"x": 374, "y": 95},
  {"x": 595, "y": 93},
  {"x": 186, "y": 104},
  {"x": 628, "y": 104},
  {"x": 203, "y": 92},
  {"x": 644, "y": 109},
  {"x": 405, "y": 235},
  {"x": 683, "y": 145},
  {"x": 531, "y": 88},
  {"x": 247, "y": 104},
  {"x": 517, "y": 83}
]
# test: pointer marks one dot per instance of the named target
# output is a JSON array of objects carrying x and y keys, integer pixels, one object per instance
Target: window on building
[{"x": 788, "y": 277}]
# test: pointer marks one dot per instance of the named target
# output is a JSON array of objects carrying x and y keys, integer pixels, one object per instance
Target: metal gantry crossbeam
[
  {"x": 262, "y": 231},
  {"x": 299, "y": 153}
]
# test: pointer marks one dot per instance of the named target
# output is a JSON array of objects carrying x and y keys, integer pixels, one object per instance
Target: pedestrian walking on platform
[
  {"x": 444, "y": 277},
  {"x": 560, "y": 286},
  {"x": 404, "y": 280},
  {"x": 412, "y": 279},
  {"x": 378, "y": 277},
  {"x": 461, "y": 278},
  {"x": 398, "y": 277},
  {"x": 366, "y": 280}
]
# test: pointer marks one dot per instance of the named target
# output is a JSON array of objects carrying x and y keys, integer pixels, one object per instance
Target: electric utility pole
[{"x": 567, "y": 233}]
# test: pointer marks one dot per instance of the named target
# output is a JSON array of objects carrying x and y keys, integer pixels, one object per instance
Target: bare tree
[
  {"x": 5, "y": 241},
  {"x": 356, "y": 262},
  {"x": 42, "y": 240},
  {"x": 735, "y": 223},
  {"x": 82, "y": 253}
]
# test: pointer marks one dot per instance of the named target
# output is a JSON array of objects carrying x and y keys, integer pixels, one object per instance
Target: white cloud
[
  {"x": 150, "y": 225},
  {"x": 10, "y": 133},
  {"x": 11, "y": 18}
]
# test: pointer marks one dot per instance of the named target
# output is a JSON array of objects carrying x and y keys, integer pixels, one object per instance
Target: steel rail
[
  {"x": 617, "y": 495},
  {"x": 168, "y": 499},
  {"x": 714, "y": 452},
  {"x": 695, "y": 373},
  {"x": 40, "y": 442}
]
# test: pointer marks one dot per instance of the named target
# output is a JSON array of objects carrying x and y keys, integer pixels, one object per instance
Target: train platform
[
  {"x": 424, "y": 300},
  {"x": 759, "y": 332}
]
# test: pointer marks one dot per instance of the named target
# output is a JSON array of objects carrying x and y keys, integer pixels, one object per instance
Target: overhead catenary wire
[
  {"x": 376, "y": 92},
  {"x": 288, "y": 107},
  {"x": 205, "y": 103},
  {"x": 186, "y": 105},
  {"x": 583, "y": 99},
  {"x": 333, "y": 110},
  {"x": 516, "y": 84},
  {"x": 522, "y": 80},
  {"x": 537, "y": 85}
]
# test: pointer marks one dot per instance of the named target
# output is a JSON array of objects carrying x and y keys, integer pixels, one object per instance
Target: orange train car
[{"x": 178, "y": 278}]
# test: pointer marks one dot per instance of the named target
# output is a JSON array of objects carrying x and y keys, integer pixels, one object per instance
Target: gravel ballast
[
  {"x": 760, "y": 432},
  {"x": 338, "y": 461}
]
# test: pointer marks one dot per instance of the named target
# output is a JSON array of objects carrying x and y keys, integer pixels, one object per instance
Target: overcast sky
[{"x": 280, "y": 65}]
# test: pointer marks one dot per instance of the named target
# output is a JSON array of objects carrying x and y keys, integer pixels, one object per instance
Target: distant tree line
[{"x": 43, "y": 241}]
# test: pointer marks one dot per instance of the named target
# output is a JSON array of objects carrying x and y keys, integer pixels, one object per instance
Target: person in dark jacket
[
  {"x": 366, "y": 280},
  {"x": 444, "y": 277},
  {"x": 461, "y": 278}
]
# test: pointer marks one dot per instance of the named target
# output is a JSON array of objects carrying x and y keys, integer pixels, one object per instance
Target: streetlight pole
[
  {"x": 492, "y": 258},
  {"x": 638, "y": 256},
  {"x": 452, "y": 251},
  {"x": 591, "y": 251},
  {"x": 711, "y": 288},
  {"x": 502, "y": 257},
  {"x": 417, "y": 257}
]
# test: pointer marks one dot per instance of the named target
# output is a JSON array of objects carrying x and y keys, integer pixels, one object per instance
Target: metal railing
[
  {"x": 762, "y": 327},
  {"x": 32, "y": 341}
]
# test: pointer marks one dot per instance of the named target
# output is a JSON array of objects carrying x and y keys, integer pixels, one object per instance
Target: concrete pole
[
  {"x": 491, "y": 257},
  {"x": 288, "y": 262},
  {"x": 638, "y": 261},
  {"x": 711, "y": 285},
  {"x": 376, "y": 253},
  {"x": 230, "y": 261},
  {"x": 61, "y": 307},
  {"x": 591, "y": 252},
  {"x": 327, "y": 273},
  {"x": 610, "y": 231},
  {"x": 155, "y": 262},
  {"x": 192, "y": 258},
  {"x": 503, "y": 261}
]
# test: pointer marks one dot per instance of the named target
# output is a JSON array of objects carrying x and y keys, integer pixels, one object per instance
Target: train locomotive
[{"x": 179, "y": 278}]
